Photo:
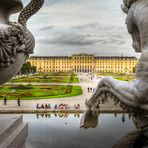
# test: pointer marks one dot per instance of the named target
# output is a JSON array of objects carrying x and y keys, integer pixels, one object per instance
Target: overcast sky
[{"x": 65, "y": 27}]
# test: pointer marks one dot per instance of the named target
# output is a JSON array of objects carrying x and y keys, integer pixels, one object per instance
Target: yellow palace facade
[{"x": 84, "y": 63}]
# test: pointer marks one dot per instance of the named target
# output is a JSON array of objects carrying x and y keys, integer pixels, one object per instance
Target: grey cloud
[
  {"x": 86, "y": 26},
  {"x": 47, "y": 28},
  {"x": 74, "y": 26},
  {"x": 71, "y": 39}
]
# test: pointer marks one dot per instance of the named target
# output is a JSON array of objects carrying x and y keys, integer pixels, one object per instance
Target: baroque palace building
[{"x": 84, "y": 63}]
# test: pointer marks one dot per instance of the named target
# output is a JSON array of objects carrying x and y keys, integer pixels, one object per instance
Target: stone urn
[{"x": 16, "y": 41}]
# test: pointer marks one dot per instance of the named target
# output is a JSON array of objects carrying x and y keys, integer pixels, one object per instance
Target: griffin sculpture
[{"x": 131, "y": 96}]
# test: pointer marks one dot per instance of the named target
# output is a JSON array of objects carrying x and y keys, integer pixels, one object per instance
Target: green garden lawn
[
  {"x": 122, "y": 77},
  {"x": 45, "y": 79},
  {"x": 56, "y": 74},
  {"x": 29, "y": 92}
]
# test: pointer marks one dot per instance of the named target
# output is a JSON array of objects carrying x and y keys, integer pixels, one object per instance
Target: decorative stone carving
[
  {"x": 132, "y": 96},
  {"x": 16, "y": 41}
]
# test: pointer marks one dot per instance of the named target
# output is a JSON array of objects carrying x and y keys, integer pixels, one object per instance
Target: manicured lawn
[
  {"x": 75, "y": 79},
  {"x": 122, "y": 77},
  {"x": 125, "y": 78},
  {"x": 29, "y": 92},
  {"x": 42, "y": 79},
  {"x": 45, "y": 79},
  {"x": 56, "y": 74}
]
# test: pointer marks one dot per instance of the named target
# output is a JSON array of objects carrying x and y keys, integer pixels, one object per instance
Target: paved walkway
[{"x": 86, "y": 81}]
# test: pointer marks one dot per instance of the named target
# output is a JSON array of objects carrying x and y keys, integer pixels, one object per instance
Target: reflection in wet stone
[
  {"x": 123, "y": 118},
  {"x": 109, "y": 131},
  {"x": 89, "y": 120},
  {"x": 137, "y": 138},
  {"x": 58, "y": 115},
  {"x": 77, "y": 115},
  {"x": 49, "y": 115},
  {"x": 129, "y": 116},
  {"x": 115, "y": 115}
]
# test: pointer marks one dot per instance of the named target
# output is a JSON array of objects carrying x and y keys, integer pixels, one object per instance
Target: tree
[
  {"x": 27, "y": 68},
  {"x": 33, "y": 69},
  {"x": 134, "y": 69}
]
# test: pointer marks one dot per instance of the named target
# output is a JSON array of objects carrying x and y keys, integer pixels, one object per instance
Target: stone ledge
[
  {"x": 29, "y": 111},
  {"x": 13, "y": 132},
  {"x": 9, "y": 126}
]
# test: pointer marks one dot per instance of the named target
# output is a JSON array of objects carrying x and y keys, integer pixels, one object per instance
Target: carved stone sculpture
[
  {"x": 16, "y": 41},
  {"x": 132, "y": 96}
]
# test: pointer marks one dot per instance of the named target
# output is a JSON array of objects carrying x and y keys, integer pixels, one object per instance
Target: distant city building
[{"x": 84, "y": 63}]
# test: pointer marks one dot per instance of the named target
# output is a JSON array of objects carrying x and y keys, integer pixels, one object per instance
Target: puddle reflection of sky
[{"x": 54, "y": 131}]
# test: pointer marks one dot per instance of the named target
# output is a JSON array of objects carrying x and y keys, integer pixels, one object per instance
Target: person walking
[
  {"x": 37, "y": 106},
  {"x": 55, "y": 107},
  {"x": 18, "y": 101},
  {"x": 5, "y": 100},
  {"x": 91, "y": 89},
  {"x": 88, "y": 89}
]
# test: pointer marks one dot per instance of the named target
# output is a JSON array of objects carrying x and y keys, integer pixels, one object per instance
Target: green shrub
[{"x": 21, "y": 87}]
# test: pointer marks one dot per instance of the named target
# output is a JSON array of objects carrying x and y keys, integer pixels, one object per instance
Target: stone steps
[{"x": 13, "y": 132}]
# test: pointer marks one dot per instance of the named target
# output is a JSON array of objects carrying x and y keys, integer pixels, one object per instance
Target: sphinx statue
[
  {"x": 131, "y": 96},
  {"x": 16, "y": 41}
]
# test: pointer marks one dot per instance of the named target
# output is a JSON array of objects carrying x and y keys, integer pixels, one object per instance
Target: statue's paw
[{"x": 89, "y": 120}]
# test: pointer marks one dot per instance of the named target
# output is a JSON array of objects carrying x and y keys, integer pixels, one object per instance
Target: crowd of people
[
  {"x": 77, "y": 106},
  {"x": 42, "y": 106},
  {"x": 90, "y": 89},
  {"x": 56, "y": 106}
]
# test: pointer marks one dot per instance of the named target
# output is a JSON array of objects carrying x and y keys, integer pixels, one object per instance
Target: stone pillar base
[{"x": 13, "y": 132}]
